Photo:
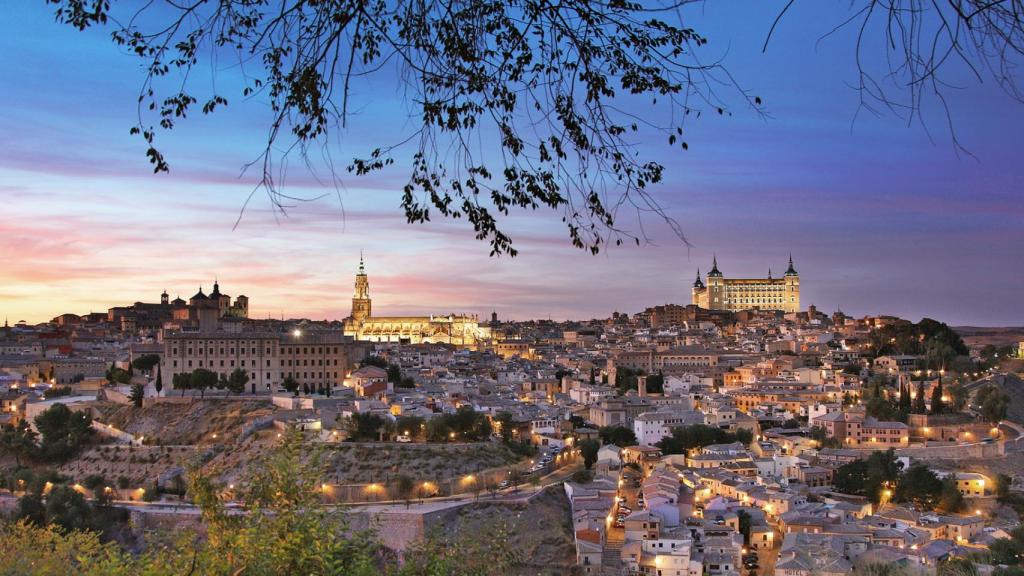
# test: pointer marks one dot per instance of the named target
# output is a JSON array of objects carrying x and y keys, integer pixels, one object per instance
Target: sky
[{"x": 881, "y": 217}]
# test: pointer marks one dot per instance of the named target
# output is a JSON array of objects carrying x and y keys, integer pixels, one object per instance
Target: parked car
[{"x": 504, "y": 484}]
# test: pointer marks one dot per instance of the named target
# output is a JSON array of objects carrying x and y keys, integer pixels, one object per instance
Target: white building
[{"x": 651, "y": 427}]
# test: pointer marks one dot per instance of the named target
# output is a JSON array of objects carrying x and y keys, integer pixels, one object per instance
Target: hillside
[
  {"x": 224, "y": 437},
  {"x": 978, "y": 336},
  {"x": 540, "y": 531}
]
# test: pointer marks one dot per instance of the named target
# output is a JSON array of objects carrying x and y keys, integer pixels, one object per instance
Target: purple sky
[{"x": 879, "y": 218}]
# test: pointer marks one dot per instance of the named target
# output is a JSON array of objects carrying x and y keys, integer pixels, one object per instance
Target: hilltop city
[{"x": 737, "y": 434}]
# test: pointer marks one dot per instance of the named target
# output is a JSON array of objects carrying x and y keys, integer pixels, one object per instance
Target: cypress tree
[
  {"x": 159, "y": 381},
  {"x": 919, "y": 404},
  {"x": 938, "y": 406}
]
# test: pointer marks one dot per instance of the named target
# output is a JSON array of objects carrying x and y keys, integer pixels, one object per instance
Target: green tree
[
  {"x": 883, "y": 473},
  {"x": 745, "y": 524},
  {"x": 374, "y": 361},
  {"x": 993, "y": 403},
  {"x": 820, "y": 435},
  {"x": 656, "y": 383},
  {"x": 1006, "y": 551},
  {"x": 411, "y": 425},
  {"x": 589, "y": 450},
  {"x": 67, "y": 508},
  {"x": 950, "y": 499},
  {"x": 202, "y": 380},
  {"x": 905, "y": 403},
  {"x": 851, "y": 477},
  {"x": 291, "y": 385},
  {"x": 365, "y": 426},
  {"x": 404, "y": 487},
  {"x": 938, "y": 404},
  {"x": 146, "y": 362},
  {"x": 744, "y": 436},
  {"x": 919, "y": 400},
  {"x": 506, "y": 425},
  {"x": 1003, "y": 483},
  {"x": 138, "y": 393},
  {"x": 394, "y": 374},
  {"x": 18, "y": 440},
  {"x": 182, "y": 381},
  {"x": 159, "y": 385},
  {"x": 31, "y": 508},
  {"x": 237, "y": 381},
  {"x": 62, "y": 432},
  {"x": 686, "y": 438},
  {"x": 118, "y": 376},
  {"x": 919, "y": 486},
  {"x": 618, "y": 435},
  {"x": 958, "y": 395}
]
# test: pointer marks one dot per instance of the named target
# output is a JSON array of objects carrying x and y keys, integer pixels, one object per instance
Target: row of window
[
  {"x": 254, "y": 364},
  {"x": 284, "y": 350}
]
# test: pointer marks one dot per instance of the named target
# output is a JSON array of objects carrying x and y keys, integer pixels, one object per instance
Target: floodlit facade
[{"x": 736, "y": 294}]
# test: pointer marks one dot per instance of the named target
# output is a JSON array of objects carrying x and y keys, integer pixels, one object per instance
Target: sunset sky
[{"x": 879, "y": 217}]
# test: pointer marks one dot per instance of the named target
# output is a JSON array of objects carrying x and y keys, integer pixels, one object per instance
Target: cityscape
[{"x": 511, "y": 288}]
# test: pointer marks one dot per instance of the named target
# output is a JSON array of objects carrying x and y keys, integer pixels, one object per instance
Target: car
[
  {"x": 403, "y": 438},
  {"x": 504, "y": 484}
]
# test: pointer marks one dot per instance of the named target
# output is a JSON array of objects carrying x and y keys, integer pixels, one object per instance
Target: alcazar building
[{"x": 736, "y": 294}]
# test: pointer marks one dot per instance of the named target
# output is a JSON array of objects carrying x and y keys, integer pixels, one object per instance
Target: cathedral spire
[
  {"x": 769, "y": 273},
  {"x": 362, "y": 268}
]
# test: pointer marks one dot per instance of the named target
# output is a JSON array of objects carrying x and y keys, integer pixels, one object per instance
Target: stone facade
[{"x": 737, "y": 294}]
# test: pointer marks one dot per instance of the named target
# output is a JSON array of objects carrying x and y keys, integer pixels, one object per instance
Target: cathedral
[
  {"x": 736, "y": 294},
  {"x": 457, "y": 329}
]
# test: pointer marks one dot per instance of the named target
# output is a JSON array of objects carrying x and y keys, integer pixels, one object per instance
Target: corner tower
[
  {"x": 716, "y": 287},
  {"x": 791, "y": 301},
  {"x": 361, "y": 298},
  {"x": 698, "y": 294}
]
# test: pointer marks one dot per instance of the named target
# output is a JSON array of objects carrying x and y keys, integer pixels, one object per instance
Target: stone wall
[{"x": 956, "y": 452}]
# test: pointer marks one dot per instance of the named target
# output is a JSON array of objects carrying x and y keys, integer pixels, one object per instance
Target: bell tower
[{"x": 361, "y": 298}]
